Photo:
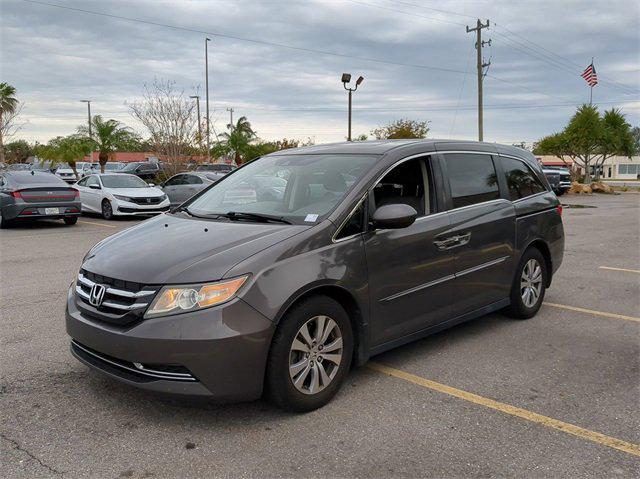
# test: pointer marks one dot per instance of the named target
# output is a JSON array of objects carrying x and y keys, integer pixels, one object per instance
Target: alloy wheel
[
  {"x": 531, "y": 283},
  {"x": 315, "y": 355}
]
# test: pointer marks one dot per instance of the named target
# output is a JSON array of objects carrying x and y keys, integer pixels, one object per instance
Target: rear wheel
[
  {"x": 310, "y": 355},
  {"x": 107, "y": 210},
  {"x": 4, "y": 223},
  {"x": 528, "y": 289},
  {"x": 71, "y": 221}
]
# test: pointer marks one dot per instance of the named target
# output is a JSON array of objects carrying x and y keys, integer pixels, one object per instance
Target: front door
[
  {"x": 482, "y": 231},
  {"x": 410, "y": 277}
]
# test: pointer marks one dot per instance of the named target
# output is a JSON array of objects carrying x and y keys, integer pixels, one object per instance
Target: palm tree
[
  {"x": 108, "y": 136},
  {"x": 8, "y": 105},
  {"x": 240, "y": 137}
]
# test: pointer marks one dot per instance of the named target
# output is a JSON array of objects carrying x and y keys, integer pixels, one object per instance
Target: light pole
[
  {"x": 206, "y": 67},
  {"x": 197, "y": 99},
  {"x": 230, "y": 110},
  {"x": 346, "y": 78},
  {"x": 88, "y": 102}
]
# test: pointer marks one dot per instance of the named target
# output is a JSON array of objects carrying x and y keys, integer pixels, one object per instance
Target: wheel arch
[
  {"x": 542, "y": 246},
  {"x": 347, "y": 300}
]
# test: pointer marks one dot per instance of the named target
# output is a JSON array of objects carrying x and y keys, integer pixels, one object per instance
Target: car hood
[
  {"x": 136, "y": 192},
  {"x": 170, "y": 249}
]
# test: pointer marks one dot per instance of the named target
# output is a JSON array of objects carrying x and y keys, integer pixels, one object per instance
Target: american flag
[{"x": 590, "y": 75}]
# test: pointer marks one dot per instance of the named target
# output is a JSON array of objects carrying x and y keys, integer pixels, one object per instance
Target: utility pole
[
  {"x": 230, "y": 110},
  {"x": 206, "y": 67},
  {"x": 481, "y": 66}
]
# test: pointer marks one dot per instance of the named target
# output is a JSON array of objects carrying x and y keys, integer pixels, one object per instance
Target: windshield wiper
[{"x": 239, "y": 215}]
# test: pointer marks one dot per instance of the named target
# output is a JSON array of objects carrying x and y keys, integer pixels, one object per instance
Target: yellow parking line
[
  {"x": 97, "y": 224},
  {"x": 593, "y": 436},
  {"x": 591, "y": 311},
  {"x": 637, "y": 271}
]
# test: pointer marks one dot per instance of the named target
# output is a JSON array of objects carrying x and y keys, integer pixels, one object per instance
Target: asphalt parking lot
[{"x": 553, "y": 396}]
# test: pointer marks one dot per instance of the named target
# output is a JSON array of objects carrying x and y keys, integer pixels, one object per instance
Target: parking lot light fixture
[{"x": 346, "y": 79}]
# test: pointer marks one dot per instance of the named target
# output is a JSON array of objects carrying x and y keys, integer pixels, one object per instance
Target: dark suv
[{"x": 364, "y": 247}]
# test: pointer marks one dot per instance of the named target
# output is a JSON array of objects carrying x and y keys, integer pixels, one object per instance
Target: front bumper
[
  {"x": 126, "y": 208},
  {"x": 224, "y": 349}
]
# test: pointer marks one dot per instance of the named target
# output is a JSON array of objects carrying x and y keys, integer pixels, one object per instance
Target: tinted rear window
[
  {"x": 521, "y": 180},
  {"x": 472, "y": 178},
  {"x": 37, "y": 178}
]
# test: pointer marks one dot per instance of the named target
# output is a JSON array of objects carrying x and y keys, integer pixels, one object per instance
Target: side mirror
[
  {"x": 151, "y": 184},
  {"x": 94, "y": 187},
  {"x": 394, "y": 216}
]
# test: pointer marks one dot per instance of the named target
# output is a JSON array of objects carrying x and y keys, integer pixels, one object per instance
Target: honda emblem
[{"x": 97, "y": 294}]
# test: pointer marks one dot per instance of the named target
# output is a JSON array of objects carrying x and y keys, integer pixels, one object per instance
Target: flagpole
[{"x": 591, "y": 88}]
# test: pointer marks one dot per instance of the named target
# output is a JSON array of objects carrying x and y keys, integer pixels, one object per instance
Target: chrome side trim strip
[
  {"x": 443, "y": 279},
  {"x": 144, "y": 372},
  {"x": 482, "y": 266},
  {"x": 418, "y": 288}
]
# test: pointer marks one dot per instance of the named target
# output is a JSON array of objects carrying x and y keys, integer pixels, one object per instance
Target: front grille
[
  {"x": 122, "y": 303},
  {"x": 133, "y": 371},
  {"x": 147, "y": 201},
  {"x": 124, "y": 209}
]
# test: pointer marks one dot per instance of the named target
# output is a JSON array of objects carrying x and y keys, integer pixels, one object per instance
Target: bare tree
[
  {"x": 9, "y": 126},
  {"x": 168, "y": 114}
]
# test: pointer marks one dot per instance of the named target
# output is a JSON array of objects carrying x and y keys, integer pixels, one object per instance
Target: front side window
[
  {"x": 472, "y": 178},
  {"x": 193, "y": 180},
  {"x": 521, "y": 181},
  {"x": 176, "y": 180},
  {"x": 407, "y": 183},
  {"x": 92, "y": 180},
  {"x": 302, "y": 189}
]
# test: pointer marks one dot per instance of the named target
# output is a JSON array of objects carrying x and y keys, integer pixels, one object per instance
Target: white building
[{"x": 614, "y": 168}]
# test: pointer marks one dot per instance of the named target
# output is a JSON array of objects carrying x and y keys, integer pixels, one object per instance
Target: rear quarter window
[{"x": 521, "y": 180}]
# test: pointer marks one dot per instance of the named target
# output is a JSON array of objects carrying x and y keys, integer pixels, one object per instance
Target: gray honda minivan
[{"x": 342, "y": 252}]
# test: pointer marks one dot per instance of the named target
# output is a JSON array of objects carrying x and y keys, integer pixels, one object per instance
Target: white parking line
[{"x": 97, "y": 224}]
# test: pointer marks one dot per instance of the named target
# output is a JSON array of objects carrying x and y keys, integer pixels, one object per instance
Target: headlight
[
  {"x": 123, "y": 198},
  {"x": 162, "y": 198},
  {"x": 180, "y": 299}
]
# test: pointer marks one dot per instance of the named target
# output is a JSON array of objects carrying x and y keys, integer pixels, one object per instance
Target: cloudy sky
[{"x": 279, "y": 62}]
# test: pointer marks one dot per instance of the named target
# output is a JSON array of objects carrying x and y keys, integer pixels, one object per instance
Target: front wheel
[
  {"x": 310, "y": 355},
  {"x": 528, "y": 289},
  {"x": 107, "y": 210}
]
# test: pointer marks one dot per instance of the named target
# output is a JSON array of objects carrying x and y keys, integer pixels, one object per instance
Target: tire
[
  {"x": 71, "y": 221},
  {"x": 525, "y": 305},
  {"x": 560, "y": 192},
  {"x": 4, "y": 223},
  {"x": 290, "y": 358},
  {"x": 107, "y": 210}
]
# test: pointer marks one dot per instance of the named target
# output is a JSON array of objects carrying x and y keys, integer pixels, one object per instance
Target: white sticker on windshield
[{"x": 311, "y": 218}]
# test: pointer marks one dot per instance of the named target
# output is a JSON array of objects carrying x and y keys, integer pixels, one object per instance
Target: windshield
[
  {"x": 302, "y": 189},
  {"x": 123, "y": 181}
]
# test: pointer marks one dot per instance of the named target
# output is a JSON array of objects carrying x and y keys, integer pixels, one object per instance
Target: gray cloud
[{"x": 56, "y": 57}]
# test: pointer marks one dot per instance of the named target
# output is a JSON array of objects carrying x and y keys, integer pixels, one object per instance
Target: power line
[{"x": 246, "y": 39}]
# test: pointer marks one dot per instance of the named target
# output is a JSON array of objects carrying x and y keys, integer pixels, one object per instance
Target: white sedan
[{"x": 120, "y": 194}]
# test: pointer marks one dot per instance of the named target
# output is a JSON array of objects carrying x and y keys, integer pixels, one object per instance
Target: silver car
[{"x": 179, "y": 188}]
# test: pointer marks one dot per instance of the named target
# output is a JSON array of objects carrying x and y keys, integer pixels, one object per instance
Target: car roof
[{"x": 381, "y": 147}]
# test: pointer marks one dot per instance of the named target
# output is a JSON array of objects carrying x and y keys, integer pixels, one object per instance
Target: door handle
[{"x": 453, "y": 241}]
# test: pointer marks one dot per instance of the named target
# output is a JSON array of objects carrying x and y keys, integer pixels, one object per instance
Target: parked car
[
  {"x": 33, "y": 195},
  {"x": 65, "y": 173},
  {"x": 559, "y": 178},
  {"x": 113, "y": 194},
  {"x": 220, "y": 298},
  {"x": 144, "y": 169},
  {"x": 19, "y": 167},
  {"x": 219, "y": 167},
  {"x": 183, "y": 186},
  {"x": 112, "y": 166}
]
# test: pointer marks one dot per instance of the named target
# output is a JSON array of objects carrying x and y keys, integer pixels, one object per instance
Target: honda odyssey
[{"x": 366, "y": 246}]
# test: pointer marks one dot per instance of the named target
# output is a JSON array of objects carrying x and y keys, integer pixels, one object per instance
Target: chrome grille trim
[
  {"x": 111, "y": 304},
  {"x": 116, "y": 292}
]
